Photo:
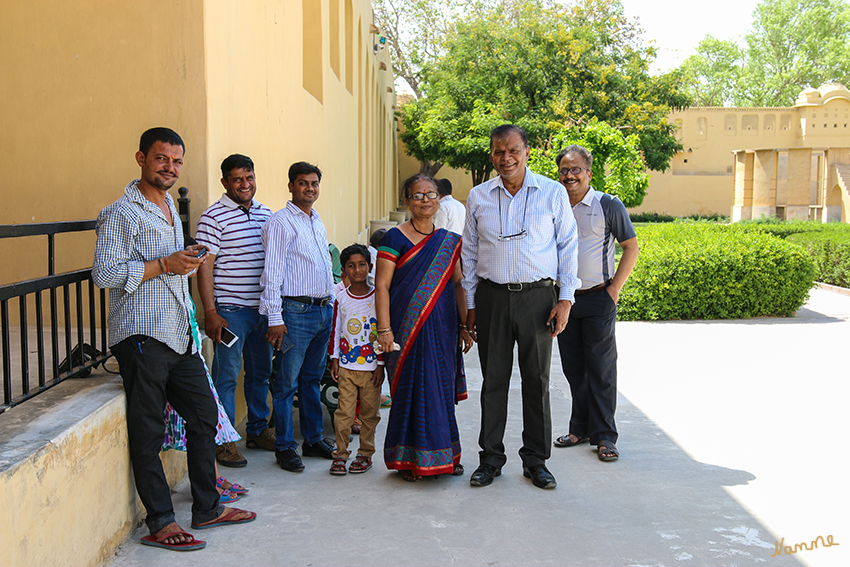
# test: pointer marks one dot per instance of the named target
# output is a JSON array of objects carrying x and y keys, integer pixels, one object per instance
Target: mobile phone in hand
[
  {"x": 228, "y": 338},
  {"x": 286, "y": 344},
  {"x": 201, "y": 253},
  {"x": 552, "y": 325}
]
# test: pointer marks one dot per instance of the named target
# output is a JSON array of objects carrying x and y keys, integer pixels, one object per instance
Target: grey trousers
[{"x": 505, "y": 318}]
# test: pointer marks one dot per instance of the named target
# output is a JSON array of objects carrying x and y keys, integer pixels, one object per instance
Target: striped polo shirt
[{"x": 234, "y": 235}]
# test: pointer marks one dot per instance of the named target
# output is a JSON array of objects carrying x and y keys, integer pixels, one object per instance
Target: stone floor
[{"x": 730, "y": 440}]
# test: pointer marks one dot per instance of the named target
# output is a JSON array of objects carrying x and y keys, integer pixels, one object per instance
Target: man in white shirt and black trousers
[{"x": 520, "y": 240}]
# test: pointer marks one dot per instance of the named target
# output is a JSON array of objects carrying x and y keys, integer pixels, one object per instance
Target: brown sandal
[
  {"x": 361, "y": 464},
  {"x": 338, "y": 467}
]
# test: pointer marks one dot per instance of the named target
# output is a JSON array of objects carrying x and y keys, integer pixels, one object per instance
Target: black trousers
[
  {"x": 589, "y": 357},
  {"x": 153, "y": 373},
  {"x": 505, "y": 318}
]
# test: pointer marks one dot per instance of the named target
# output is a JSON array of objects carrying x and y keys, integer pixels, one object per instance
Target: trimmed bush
[
  {"x": 830, "y": 250},
  {"x": 709, "y": 271},
  {"x": 781, "y": 228},
  {"x": 651, "y": 217}
]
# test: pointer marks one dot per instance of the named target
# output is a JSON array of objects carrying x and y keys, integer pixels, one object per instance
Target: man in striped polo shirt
[
  {"x": 297, "y": 285},
  {"x": 231, "y": 229},
  {"x": 588, "y": 347}
]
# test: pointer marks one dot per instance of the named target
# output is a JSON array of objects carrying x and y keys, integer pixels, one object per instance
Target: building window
[
  {"x": 702, "y": 128},
  {"x": 750, "y": 124},
  {"x": 730, "y": 124},
  {"x": 312, "y": 69},
  {"x": 769, "y": 123}
]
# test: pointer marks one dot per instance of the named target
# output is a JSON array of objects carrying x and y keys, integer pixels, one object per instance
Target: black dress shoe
[
  {"x": 323, "y": 449},
  {"x": 540, "y": 476},
  {"x": 289, "y": 460},
  {"x": 484, "y": 475}
]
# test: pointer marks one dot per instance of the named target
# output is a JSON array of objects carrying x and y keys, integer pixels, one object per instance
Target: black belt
[
  {"x": 519, "y": 286},
  {"x": 603, "y": 285},
  {"x": 317, "y": 301}
]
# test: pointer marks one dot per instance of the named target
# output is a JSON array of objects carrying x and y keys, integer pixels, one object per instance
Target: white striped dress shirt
[
  {"x": 297, "y": 260},
  {"x": 550, "y": 249},
  {"x": 233, "y": 234}
]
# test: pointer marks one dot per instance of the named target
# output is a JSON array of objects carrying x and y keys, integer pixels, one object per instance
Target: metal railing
[{"x": 82, "y": 357}]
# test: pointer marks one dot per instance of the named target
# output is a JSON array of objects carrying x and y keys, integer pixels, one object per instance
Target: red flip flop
[
  {"x": 190, "y": 545},
  {"x": 226, "y": 520}
]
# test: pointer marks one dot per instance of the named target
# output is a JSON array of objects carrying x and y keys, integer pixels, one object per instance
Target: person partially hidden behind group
[{"x": 420, "y": 308}]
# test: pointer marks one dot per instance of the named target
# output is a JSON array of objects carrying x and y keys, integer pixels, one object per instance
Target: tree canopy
[
  {"x": 540, "y": 65},
  {"x": 793, "y": 44},
  {"x": 617, "y": 167}
]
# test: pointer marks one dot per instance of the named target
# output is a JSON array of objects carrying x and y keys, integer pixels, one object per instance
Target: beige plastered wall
[{"x": 81, "y": 81}]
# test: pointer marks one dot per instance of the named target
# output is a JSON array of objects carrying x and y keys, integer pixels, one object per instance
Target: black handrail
[{"x": 79, "y": 359}]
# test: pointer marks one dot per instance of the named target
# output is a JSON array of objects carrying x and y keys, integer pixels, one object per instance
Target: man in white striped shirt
[
  {"x": 229, "y": 282},
  {"x": 297, "y": 285},
  {"x": 519, "y": 242}
]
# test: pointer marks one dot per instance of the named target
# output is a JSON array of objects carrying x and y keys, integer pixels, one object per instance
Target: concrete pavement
[{"x": 730, "y": 441}]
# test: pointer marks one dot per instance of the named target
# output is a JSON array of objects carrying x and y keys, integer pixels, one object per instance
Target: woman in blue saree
[{"x": 420, "y": 306}]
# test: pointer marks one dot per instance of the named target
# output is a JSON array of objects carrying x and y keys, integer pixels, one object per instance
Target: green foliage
[
  {"x": 651, "y": 217},
  {"x": 713, "y": 73},
  {"x": 793, "y": 44},
  {"x": 830, "y": 250},
  {"x": 540, "y": 65},
  {"x": 711, "y": 271},
  {"x": 617, "y": 167},
  {"x": 784, "y": 229}
]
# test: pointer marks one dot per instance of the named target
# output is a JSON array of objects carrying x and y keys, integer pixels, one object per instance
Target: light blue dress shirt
[{"x": 542, "y": 210}]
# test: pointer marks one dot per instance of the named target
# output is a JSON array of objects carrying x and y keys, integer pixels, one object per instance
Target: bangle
[
  {"x": 463, "y": 328},
  {"x": 384, "y": 331},
  {"x": 208, "y": 311},
  {"x": 165, "y": 260},
  {"x": 161, "y": 267}
]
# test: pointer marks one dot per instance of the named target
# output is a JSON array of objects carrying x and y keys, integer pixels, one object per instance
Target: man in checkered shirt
[{"x": 140, "y": 257}]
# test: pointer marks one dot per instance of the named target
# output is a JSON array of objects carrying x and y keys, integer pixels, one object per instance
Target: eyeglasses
[
  {"x": 573, "y": 170},
  {"x": 522, "y": 233},
  {"x": 431, "y": 195}
]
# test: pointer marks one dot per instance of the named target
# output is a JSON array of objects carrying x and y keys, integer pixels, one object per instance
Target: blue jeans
[
  {"x": 301, "y": 368},
  {"x": 252, "y": 348}
]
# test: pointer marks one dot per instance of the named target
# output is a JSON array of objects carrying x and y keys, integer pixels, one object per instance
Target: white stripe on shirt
[{"x": 234, "y": 235}]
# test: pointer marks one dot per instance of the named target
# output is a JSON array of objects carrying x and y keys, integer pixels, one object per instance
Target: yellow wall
[
  {"x": 81, "y": 81},
  {"x": 259, "y": 105}
]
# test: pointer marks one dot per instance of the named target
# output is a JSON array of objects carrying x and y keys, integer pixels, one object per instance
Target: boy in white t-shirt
[{"x": 354, "y": 364}]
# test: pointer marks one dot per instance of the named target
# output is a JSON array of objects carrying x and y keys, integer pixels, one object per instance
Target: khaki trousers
[{"x": 354, "y": 383}]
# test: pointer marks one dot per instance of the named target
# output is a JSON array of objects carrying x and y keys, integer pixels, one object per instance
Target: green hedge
[
  {"x": 709, "y": 271},
  {"x": 830, "y": 250}
]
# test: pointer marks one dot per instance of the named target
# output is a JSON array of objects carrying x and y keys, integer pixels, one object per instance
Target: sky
[{"x": 677, "y": 27}]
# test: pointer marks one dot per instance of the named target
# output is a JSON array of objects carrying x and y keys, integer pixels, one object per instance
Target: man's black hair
[
  {"x": 506, "y": 130},
  {"x": 164, "y": 135},
  {"x": 444, "y": 187},
  {"x": 303, "y": 168},
  {"x": 236, "y": 161}
]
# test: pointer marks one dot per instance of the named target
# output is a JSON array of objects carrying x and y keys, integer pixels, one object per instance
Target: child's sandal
[
  {"x": 360, "y": 465},
  {"x": 338, "y": 467},
  {"x": 233, "y": 488}
]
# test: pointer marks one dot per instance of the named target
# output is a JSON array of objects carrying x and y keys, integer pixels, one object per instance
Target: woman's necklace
[{"x": 433, "y": 228}]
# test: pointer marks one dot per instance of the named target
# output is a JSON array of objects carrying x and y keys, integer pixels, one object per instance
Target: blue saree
[{"x": 426, "y": 376}]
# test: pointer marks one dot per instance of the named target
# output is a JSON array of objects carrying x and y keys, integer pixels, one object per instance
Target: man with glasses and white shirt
[
  {"x": 520, "y": 241},
  {"x": 587, "y": 346}
]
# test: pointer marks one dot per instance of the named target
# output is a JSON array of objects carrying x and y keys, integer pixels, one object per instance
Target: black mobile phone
[
  {"x": 201, "y": 253},
  {"x": 552, "y": 325},
  {"x": 286, "y": 344}
]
